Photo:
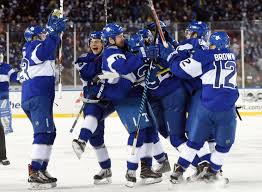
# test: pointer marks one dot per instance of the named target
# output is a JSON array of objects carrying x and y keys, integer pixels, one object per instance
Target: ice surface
[{"x": 243, "y": 165}]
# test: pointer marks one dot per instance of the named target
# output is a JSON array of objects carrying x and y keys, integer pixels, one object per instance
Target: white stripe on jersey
[
  {"x": 191, "y": 67},
  {"x": 47, "y": 68},
  {"x": 4, "y": 78},
  {"x": 184, "y": 47},
  {"x": 34, "y": 57},
  {"x": 11, "y": 72},
  {"x": 112, "y": 58},
  {"x": 209, "y": 77}
]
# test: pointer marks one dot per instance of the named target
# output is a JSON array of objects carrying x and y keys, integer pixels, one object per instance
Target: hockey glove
[
  {"x": 96, "y": 91},
  {"x": 166, "y": 53},
  {"x": 150, "y": 51},
  {"x": 57, "y": 26}
]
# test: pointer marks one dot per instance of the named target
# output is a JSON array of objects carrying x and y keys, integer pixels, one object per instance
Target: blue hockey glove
[
  {"x": 150, "y": 51},
  {"x": 167, "y": 53},
  {"x": 52, "y": 18},
  {"x": 96, "y": 91},
  {"x": 57, "y": 26}
]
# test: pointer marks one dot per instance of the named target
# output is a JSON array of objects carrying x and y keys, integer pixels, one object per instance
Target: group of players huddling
[{"x": 190, "y": 99}]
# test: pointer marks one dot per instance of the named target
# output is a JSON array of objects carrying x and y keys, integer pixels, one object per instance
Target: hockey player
[
  {"x": 7, "y": 74},
  {"x": 38, "y": 92},
  {"x": 197, "y": 34},
  {"x": 130, "y": 68},
  {"x": 168, "y": 98},
  {"x": 135, "y": 43},
  {"x": 89, "y": 65},
  {"x": 214, "y": 117}
]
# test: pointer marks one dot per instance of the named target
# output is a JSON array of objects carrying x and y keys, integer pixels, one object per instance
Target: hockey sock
[
  {"x": 89, "y": 126},
  {"x": 188, "y": 154},
  {"x": 102, "y": 156},
  {"x": 146, "y": 153},
  {"x": 217, "y": 158},
  {"x": 36, "y": 165},
  {"x": 158, "y": 152},
  {"x": 85, "y": 134},
  {"x": 44, "y": 165}
]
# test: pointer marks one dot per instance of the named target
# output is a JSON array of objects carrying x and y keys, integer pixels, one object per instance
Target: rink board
[{"x": 250, "y": 100}]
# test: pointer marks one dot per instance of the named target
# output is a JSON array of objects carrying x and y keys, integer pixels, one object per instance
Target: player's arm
[
  {"x": 88, "y": 66},
  {"x": 104, "y": 90},
  {"x": 180, "y": 63}
]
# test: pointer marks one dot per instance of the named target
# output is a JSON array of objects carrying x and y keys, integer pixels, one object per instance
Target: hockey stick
[
  {"x": 85, "y": 101},
  {"x": 144, "y": 97},
  {"x": 60, "y": 55},
  {"x": 160, "y": 31},
  {"x": 141, "y": 108},
  {"x": 77, "y": 117},
  {"x": 105, "y": 7}
]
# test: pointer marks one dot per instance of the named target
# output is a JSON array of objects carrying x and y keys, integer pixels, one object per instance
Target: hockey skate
[
  {"x": 103, "y": 177},
  {"x": 149, "y": 176},
  {"x": 201, "y": 170},
  {"x": 5, "y": 162},
  {"x": 79, "y": 147},
  {"x": 214, "y": 177},
  {"x": 130, "y": 178},
  {"x": 38, "y": 181},
  {"x": 177, "y": 175},
  {"x": 163, "y": 166},
  {"x": 47, "y": 175}
]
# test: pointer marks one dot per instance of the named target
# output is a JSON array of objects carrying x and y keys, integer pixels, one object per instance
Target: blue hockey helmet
[
  {"x": 32, "y": 31},
  {"x": 220, "y": 39},
  {"x": 111, "y": 30},
  {"x": 95, "y": 35},
  {"x": 135, "y": 42},
  {"x": 198, "y": 27},
  {"x": 152, "y": 26},
  {"x": 147, "y": 35}
]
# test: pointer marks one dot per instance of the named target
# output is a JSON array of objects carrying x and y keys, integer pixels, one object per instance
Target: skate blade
[
  {"x": 175, "y": 181},
  {"x": 149, "y": 181},
  {"x": 104, "y": 181},
  {"x": 77, "y": 150},
  {"x": 130, "y": 184},
  {"x": 41, "y": 186}
]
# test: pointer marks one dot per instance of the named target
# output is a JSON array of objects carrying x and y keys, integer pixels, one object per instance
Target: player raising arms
[
  {"x": 38, "y": 93},
  {"x": 214, "y": 117},
  {"x": 89, "y": 65}
]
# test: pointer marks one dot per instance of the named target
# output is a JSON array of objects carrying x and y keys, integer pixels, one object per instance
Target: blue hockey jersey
[
  {"x": 7, "y": 74},
  {"x": 130, "y": 67},
  {"x": 192, "y": 45},
  {"x": 218, "y": 73},
  {"x": 38, "y": 68}
]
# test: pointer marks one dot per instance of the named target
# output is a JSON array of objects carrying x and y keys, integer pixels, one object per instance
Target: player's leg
[
  {"x": 174, "y": 109},
  {"x": 92, "y": 114},
  {"x": 198, "y": 134},
  {"x": 224, "y": 137},
  {"x": 128, "y": 110},
  {"x": 44, "y": 135},
  {"x": 147, "y": 174},
  {"x": 97, "y": 141},
  {"x": 152, "y": 134},
  {"x": 203, "y": 155}
]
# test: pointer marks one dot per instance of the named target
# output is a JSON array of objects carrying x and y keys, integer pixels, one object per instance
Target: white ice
[{"x": 243, "y": 165}]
